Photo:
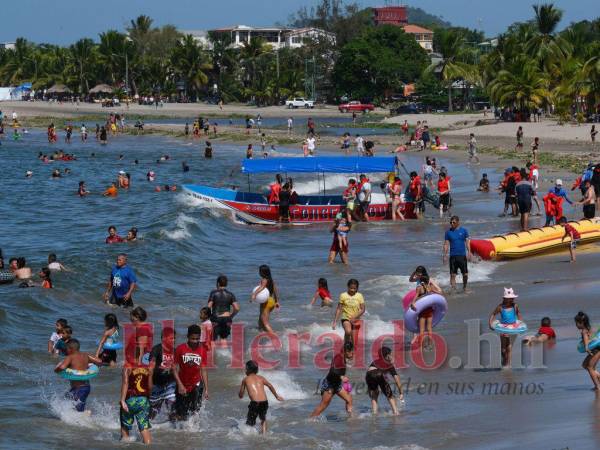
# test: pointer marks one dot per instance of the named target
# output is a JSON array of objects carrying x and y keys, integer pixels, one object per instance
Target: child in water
[
  {"x": 582, "y": 322},
  {"x": 45, "y": 276},
  {"x": 509, "y": 314},
  {"x": 255, "y": 385},
  {"x": 55, "y": 337},
  {"x": 65, "y": 334},
  {"x": 109, "y": 337},
  {"x": 379, "y": 374},
  {"x": 484, "y": 184},
  {"x": 426, "y": 316},
  {"x": 572, "y": 233},
  {"x": 351, "y": 307},
  {"x": 545, "y": 333},
  {"x": 77, "y": 360},
  {"x": 341, "y": 230},
  {"x": 207, "y": 328},
  {"x": 323, "y": 292}
]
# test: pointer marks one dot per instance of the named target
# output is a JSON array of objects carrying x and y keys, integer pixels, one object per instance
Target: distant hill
[{"x": 421, "y": 17}]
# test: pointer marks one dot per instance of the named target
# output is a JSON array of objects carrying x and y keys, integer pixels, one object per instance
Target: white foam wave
[
  {"x": 478, "y": 272},
  {"x": 181, "y": 230},
  {"x": 98, "y": 415},
  {"x": 387, "y": 287}
]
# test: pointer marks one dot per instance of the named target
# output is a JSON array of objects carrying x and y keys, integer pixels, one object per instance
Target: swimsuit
[{"x": 508, "y": 315}]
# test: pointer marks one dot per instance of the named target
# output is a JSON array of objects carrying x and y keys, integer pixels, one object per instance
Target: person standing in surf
[
  {"x": 266, "y": 282},
  {"x": 456, "y": 240}
]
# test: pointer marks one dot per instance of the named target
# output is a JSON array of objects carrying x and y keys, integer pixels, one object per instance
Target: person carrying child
[
  {"x": 255, "y": 385},
  {"x": 55, "y": 336}
]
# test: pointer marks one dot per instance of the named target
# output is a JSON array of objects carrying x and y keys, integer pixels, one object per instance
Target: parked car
[
  {"x": 407, "y": 108},
  {"x": 356, "y": 106},
  {"x": 300, "y": 103}
]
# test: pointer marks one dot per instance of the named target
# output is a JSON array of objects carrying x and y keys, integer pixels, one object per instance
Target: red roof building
[{"x": 391, "y": 15}]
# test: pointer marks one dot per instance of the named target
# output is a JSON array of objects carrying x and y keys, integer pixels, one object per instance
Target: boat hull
[{"x": 253, "y": 208}]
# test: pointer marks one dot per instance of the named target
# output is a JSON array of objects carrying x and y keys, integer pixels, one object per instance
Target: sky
[{"x": 65, "y": 21}]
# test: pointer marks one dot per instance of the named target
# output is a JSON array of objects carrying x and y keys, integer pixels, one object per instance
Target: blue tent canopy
[{"x": 333, "y": 164}]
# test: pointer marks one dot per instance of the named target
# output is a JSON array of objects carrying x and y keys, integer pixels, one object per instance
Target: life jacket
[
  {"x": 577, "y": 183},
  {"x": 553, "y": 205}
]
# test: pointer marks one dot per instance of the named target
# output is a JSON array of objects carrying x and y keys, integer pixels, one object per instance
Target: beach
[{"x": 185, "y": 245}]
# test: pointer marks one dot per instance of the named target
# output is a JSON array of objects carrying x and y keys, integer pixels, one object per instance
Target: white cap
[
  {"x": 29, "y": 172},
  {"x": 509, "y": 293},
  {"x": 121, "y": 172},
  {"x": 558, "y": 182}
]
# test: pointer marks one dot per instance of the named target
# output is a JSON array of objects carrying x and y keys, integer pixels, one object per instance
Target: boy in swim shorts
[
  {"x": 135, "y": 397},
  {"x": 571, "y": 232},
  {"x": 77, "y": 360},
  {"x": 255, "y": 384}
]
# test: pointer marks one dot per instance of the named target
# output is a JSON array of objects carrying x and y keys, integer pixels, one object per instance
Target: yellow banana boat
[{"x": 536, "y": 240}]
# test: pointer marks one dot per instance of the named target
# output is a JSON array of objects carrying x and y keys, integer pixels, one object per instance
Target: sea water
[{"x": 184, "y": 245}]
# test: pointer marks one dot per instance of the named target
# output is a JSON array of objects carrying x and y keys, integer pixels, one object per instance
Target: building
[
  {"x": 390, "y": 15},
  {"x": 275, "y": 36},
  {"x": 422, "y": 35},
  {"x": 7, "y": 45},
  {"x": 398, "y": 16}
]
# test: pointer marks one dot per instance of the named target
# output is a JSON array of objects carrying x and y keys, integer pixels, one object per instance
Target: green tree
[
  {"x": 452, "y": 66},
  {"x": 112, "y": 54},
  {"x": 190, "y": 64},
  {"x": 382, "y": 59},
  {"x": 83, "y": 55}
]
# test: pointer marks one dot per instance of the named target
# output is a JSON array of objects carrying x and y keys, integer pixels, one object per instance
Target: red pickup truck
[{"x": 356, "y": 106}]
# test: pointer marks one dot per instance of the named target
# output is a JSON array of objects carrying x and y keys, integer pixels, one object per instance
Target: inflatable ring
[
  {"x": 435, "y": 301},
  {"x": 593, "y": 344},
  {"x": 113, "y": 346},
  {"x": 512, "y": 328},
  {"x": 262, "y": 296},
  {"x": 347, "y": 386},
  {"x": 80, "y": 375},
  {"x": 408, "y": 298}
]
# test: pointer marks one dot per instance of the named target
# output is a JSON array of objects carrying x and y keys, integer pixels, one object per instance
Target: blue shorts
[{"x": 79, "y": 395}]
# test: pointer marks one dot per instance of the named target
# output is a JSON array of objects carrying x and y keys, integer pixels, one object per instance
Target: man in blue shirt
[
  {"x": 559, "y": 191},
  {"x": 457, "y": 241},
  {"x": 121, "y": 284}
]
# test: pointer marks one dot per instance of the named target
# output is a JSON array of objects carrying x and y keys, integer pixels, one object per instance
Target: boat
[
  {"x": 534, "y": 241},
  {"x": 254, "y": 208}
]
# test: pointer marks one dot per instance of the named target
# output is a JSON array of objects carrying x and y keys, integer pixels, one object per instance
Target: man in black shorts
[
  {"x": 457, "y": 241},
  {"x": 224, "y": 307},
  {"x": 524, "y": 192}
]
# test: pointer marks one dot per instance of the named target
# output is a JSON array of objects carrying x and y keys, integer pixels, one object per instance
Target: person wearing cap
[
  {"x": 28, "y": 174},
  {"x": 509, "y": 314},
  {"x": 559, "y": 191},
  {"x": 123, "y": 180}
]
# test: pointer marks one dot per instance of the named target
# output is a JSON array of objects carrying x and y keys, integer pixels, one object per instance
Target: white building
[
  {"x": 275, "y": 36},
  {"x": 7, "y": 45},
  {"x": 200, "y": 36}
]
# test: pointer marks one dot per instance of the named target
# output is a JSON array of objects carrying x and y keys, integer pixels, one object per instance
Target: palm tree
[
  {"x": 451, "y": 67},
  {"x": 249, "y": 54},
  {"x": 545, "y": 46},
  {"x": 19, "y": 62},
  {"x": 522, "y": 85},
  {"x": 190, "y": 63},
  {"x": 112, "y": 54},
  {"x": 83, "y": 56}
]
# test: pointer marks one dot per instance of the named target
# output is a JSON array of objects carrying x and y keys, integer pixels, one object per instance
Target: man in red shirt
[
  {"x": 416, "y": 192},
  {"x": 190, "y": 374}
]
